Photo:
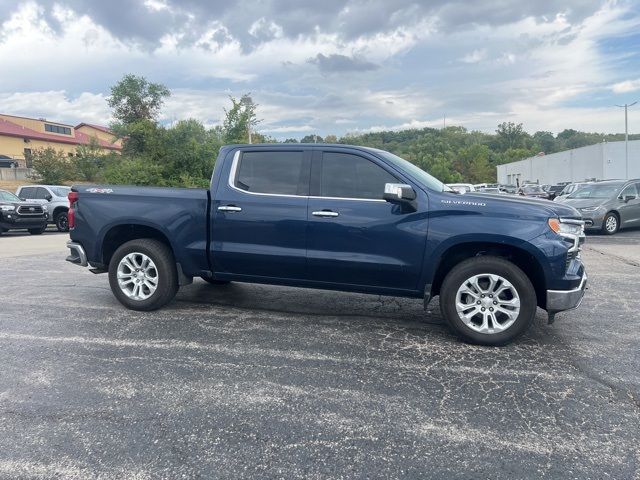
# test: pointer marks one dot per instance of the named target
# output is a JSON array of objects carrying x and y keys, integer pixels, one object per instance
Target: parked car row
[
  {"x": 33, "y": 207},
  {"x": 607, "y": 205}
]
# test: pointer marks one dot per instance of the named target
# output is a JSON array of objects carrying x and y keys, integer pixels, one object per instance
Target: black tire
[
  {"x": 167, "y": 274},
  {"x": 612, "y": 218},
  {"x": 488, "y": 265},
  {"x": 213, "y": 281},
  {"x": 37, "y": 231},
  {"x": 62, "y": 222}
]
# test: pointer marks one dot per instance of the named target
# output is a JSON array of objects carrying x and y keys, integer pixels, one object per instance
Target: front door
[
  {"x": 356, "y": 238},
  {"x": 630, "y": 210},
  {"x": 260, "y": 215}
]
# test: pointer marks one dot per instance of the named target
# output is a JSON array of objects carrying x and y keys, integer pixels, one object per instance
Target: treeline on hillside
[{"x": 183, "y": 154}]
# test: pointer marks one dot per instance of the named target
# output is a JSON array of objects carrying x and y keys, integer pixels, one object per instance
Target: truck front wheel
[
  {"x": 143, "y": 274},
  {"x": 488, "y": 300}
]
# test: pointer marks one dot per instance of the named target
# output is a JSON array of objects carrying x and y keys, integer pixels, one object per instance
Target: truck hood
[
  {"x": 547, "y": 207},
  {"x": 20, "y": 204}
]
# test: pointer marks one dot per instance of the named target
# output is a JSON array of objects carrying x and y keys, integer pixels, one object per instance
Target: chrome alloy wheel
[
  {"x": 611, "y": 224},
  {"x": 137, "y": 276},
  {"x": 487, "y": 303}
]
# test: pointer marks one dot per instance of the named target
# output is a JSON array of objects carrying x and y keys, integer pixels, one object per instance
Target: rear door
[
  {"x": 355, "y": 237},
  {"x": 259, "y": 214}
]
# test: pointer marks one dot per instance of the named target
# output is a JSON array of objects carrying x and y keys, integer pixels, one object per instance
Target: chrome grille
[{"x": 30, "y": 210}]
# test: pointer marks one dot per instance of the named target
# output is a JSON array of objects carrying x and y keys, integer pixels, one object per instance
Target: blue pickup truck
[{"x": 341, "y": 218}]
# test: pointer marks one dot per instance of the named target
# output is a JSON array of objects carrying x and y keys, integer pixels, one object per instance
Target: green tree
[
  {"x": 88, "y": 161},
  {"x": 511, "y": 135},
  {"x": 51, "y": 166},
  {"x": 240, "y": 120},
  {"x": 134, "y": 171},
  {"x": 311, "y": 139},
  {"x": 545, "y": 142},
  {"x": 134, "y": 98},
  {"x": 479, "y": 170}
]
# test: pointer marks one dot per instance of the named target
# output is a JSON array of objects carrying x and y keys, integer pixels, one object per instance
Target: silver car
[
  {"x": 54, "y": 196},
  {"x": 609, "y": 205},
  {"x": 569, "y": 189}
]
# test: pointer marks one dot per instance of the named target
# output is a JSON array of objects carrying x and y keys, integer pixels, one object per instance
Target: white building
[{"x": 601, "y": 161}]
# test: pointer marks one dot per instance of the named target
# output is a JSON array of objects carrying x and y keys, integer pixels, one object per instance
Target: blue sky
[{"x": 331, "y": 67}]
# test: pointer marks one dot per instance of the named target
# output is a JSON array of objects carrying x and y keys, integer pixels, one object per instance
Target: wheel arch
[
  {"x": 521, "y": 257},
  {"x": 59, "y": 209},
  {"x": 120, "y": 234}
]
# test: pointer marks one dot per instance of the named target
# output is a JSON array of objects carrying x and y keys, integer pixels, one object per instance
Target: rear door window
[
  {"x": 41, "y": 193},
  {"x": 276, "y": 173},
  {"x": 344, "y": 175}
]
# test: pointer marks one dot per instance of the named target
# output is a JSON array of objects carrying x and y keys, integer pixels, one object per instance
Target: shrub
[{"x": 51, "y": 166}]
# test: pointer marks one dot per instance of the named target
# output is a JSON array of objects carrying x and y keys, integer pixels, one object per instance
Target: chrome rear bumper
[
  {"x": 561, "y": 300},
  {"x": 77, "y": 255}
]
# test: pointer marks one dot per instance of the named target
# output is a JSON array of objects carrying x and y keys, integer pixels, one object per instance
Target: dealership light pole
[{"x": 626, "y": 135}]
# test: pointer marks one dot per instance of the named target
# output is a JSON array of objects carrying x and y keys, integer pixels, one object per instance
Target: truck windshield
[{"x": 416, "y": 172}]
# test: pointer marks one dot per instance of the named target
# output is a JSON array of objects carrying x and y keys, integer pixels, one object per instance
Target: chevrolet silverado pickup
[{"x": 336, "y": 217}]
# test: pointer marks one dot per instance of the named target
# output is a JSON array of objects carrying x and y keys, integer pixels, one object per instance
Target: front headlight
[
  {"x": 566, "y": 227},
  {"x": 7, "y": 208},
  {"x": 590, "y": 209}
]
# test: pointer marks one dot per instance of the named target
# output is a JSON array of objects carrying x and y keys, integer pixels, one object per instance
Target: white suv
[{"x": 55, "y": 196}]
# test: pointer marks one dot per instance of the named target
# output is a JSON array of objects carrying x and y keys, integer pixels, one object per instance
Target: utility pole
[{"x": 626, "y": 136}]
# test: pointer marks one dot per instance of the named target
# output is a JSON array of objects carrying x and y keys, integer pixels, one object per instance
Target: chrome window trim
[{"x": 234, "y": 170}]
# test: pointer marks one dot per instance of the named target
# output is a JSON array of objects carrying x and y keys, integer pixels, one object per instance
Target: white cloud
[
  {"x": 626, "y": 86},
  {"x": 475, "y": 56},
  {"x": 544, "y": 71},
  {"x": 57, "y": 106}
]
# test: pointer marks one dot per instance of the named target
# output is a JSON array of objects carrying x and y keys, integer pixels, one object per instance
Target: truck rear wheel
[
  {"x": 143, "y": 274},
  {"x": 488, "y": 301}
]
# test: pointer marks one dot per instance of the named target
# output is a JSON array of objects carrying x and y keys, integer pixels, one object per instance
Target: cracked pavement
[{"x": 254, "y": 381}]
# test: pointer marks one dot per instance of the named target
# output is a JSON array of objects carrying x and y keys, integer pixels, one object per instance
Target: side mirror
[
  {"x": 628, "y": 198},
  {"x": 48, "y": 197},
  {"x": 398, "y": 193},
  {"x": 23, "y": 199}
]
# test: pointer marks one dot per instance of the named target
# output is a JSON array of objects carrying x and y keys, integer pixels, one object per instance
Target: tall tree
[
  {"x": 240, "y": 120},
  {"x": 511, "y": 135},
  {"x": 134, "y": 99}
]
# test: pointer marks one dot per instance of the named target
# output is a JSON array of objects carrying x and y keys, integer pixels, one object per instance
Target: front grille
[{"x": 32, "y": 210}]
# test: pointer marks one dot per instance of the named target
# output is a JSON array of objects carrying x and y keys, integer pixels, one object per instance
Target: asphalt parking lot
[{"x": 248, "y": 381}]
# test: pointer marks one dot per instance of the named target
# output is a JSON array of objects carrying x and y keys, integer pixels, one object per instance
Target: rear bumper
[
  {"x": 561, "y": 300},
  {"x": 77, "y": 255}
]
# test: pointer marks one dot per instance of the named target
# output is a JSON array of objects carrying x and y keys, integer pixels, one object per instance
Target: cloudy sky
[{"x": 331, "y": 66}]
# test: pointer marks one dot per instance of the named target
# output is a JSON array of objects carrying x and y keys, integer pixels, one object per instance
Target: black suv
[{"x": 16, "y": 214}]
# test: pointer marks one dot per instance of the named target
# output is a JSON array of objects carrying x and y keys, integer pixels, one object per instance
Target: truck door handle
[
  {"x": 229, "y": 208},
  {"x": 325, "y": 213}
]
